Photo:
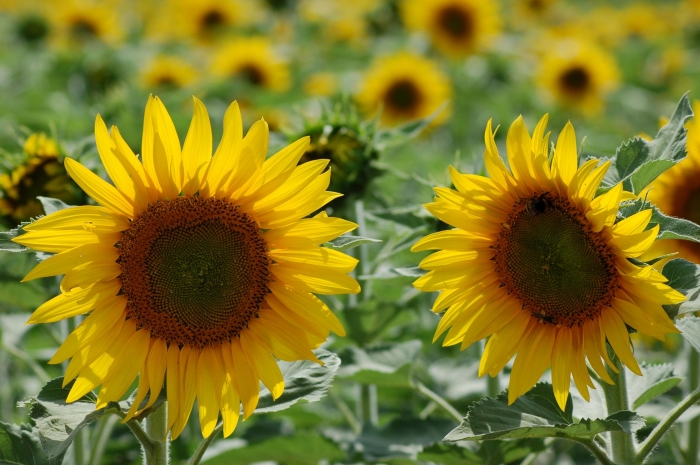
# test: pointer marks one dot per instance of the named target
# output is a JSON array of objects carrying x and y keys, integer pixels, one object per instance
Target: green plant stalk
[
  {"x": 597, "y": 452},
  {"x": 493, "y": 385},
  {"x": 156, "y": 428},
  {"x": 79, "y": 447},
  {"x": 658, "y": 432},
  {"x": 204, "y": 444},
  {"x": 691, "y": 454},
  {"x": 100, "y": 438},
  {"x": 435, "y": 397},
  {"x": 616, "y": 399}
]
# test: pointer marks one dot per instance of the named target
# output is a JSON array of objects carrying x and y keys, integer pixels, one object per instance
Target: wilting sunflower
[
  {"x": 169, "y": 72},
  {"x": 405, "y": 87},
  {"x": 677, "y": 193},
  {"x": 456, "y": 27},
  {"x": 79, "y": 21},
  {"x": 40, "y": 174},
  {"x": 540, "y": 267},
  {"x": 198, "y": 270},
  {"x": 579, "y": 75},
  {"x": 253, "y": 61}
]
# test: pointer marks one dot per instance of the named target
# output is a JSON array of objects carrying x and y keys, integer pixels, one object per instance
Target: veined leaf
[
  {"x": 387, "y": 364},
  {"x": 684, "y": 277},
  {"x": 535, "y": 414},
  {"x": 20, "y": 445},
  {"x": 349, "y": 242},
  {"x": 690, "y": 326},
  {"x": 657, "y": 380}
]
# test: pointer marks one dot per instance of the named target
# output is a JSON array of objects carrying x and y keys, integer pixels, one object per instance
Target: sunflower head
[
  {"x": 405, "y": 87},
  {"x": 541, "y": 267},
  {"x": 339, "y": 136},
  {"x": 32, "y": 28},
  {"x": 168, "y": 72},
  {"x": 39, "y": 173},
  {"x": 677, "y": 193},
  {"x": 579, "y": 75},
  {"x": 80, "y": 21},
  {"x": 456, "y": 27},
  {"x": 197, "y": 271},
  {"x": 253, "y": 63}
]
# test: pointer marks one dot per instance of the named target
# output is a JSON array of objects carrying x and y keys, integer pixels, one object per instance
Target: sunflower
[
  {"x": 198, "y": 270},
  {"x": 579, "y": 75},
  {"x": 405, "y": 87},
  {"x": 677, "y": 193},
  {"x": 41, "y": 174},
  {"x": 168, "y": 71},
  {"x": 253, "y": 61},
  {"x": 538, "y": 265},
  {"x": 79, "y": 21},
  {"x": 340, "y": 20},
  {"x": 322, "y": 84},
  {"x": 456, "y": 27},
  {"x": 199, "y": 21}
]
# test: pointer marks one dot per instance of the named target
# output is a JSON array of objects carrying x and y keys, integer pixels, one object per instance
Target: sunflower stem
[
  {"x": 616, "y": 399},
  {"x": 100, "y": 438},
  {"x": 658, "y": 432},
  {"x": 79, "y": 447},
  {"x": 204, "y": 444},
  {"x": 691, "y": 455},
  {"x": 156, "y": 427},
  {"x": 493, "y": 386},
  {"x": 597, "y": 452},
  {"x": 435, "y": 397}
]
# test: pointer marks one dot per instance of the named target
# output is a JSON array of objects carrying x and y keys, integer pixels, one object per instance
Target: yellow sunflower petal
[
  {"x": 561, "y": 366},
  {"x": 230, "y": 400},
  {"x": 101, "y": 192},
  {"x": 259, "y": 358},
  {"x": 167, "y": 158},
  {"x": 316, "y": 257},
  {"x": 73, "y": 303},
  {"x": 247, "y": 381},
  {"x": 63, "y": 262},
  {"x": 227, "y": 153},
  {"x": 174, "y": 382},
  {"x": 534, "y": 357},
  {"x": 88, "y": 218},
  {"x": 128, "y": 362},
  {"x": 207, "y": 387},
  {"x": 617, "y": 336},
  {"x": 565, "y": 161},
  {"x": 115, "y": 170},
  {"x": 308, "y": 232},
  {"x": 196, "y": 152}
]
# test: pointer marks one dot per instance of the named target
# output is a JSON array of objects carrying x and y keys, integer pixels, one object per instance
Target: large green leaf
[
  {"x": 690, "y": 326},
  {"x": 669, "y": 226},
  {"x": 638, "y": 162},
  {"x": 387, "y": 364},
  {"x": 303, "y": 380},
  {"x": 402, "y": 437},
  {"x": 298, "y": 449},
  {"x": 485, "y": 453},
  {"x": 657, "y": 380},
  {"x": 52, "y": 205},
  {"x": 535, "y": 414},
  {"x": 20, "y": 444},
  {"x": 684, "y": 277},
  {"x": 58, "y": 422}
]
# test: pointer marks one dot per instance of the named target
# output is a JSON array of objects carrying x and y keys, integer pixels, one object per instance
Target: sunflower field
[{"x": 459, "y": 232}]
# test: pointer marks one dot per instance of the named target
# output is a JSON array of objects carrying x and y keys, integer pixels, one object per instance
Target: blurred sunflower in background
[
  {"x": 198, "y": 270},
  {"x": 405, "y": 87},
  {"x": 252, "y": 61},
  {"x": 578, "y": 75},
  {"x": 77, "y": 22},
  {"x": 456, "y": 27},
  {"x": 41, "y": 173},
  {"x": 339, "y": 20},
  {"x": 540, "y": 266},
  {"x": 31, "y": 22},
  {"x": 171, "y": 72}
]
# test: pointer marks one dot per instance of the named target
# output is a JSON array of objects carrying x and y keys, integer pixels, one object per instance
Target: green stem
[
  {"x": 147, "y": 443},
  {"x": 204, "y": 444},
  {"x": 31, "y": 363},
  {"x": 423, "y": 389},
  {"x": 79, "y": 447},
  {"x": 346, "y": 411},
  {"x": 493, "y": 386},
  {"x": 156, "y": 427},
  {"x": 364, "y": 253},
  {"x": 616, "y": 400},
  {"x": 100, "y": 438},
  {"x": 691, "y": 455},
  {"x": 658, "y": 432}
]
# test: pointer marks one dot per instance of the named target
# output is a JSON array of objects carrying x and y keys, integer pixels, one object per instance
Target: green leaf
[
  {"x": 657, "y": 380},
  {"x": 21, "y": 445},
  {"x": 684, "y": 277},
  {"x": 413, "y": 272},
  {"x": 303, "y": 380},
  {"x": 690, "y": 326},
  {"x": 402, "y": 437},
  {"x": 298, "y": 449},
  {"x": 387, "y": 364},
  {"x": 6, "y": 244},
  {"x": 638, "y": 162},
  {"x": 52, "y": 205},
  {"x": 349, "y": 242},
  {"x": 58, "y": 422},
  {"x": 669, "y": 226},
  {"x": 535, "y": 414},
  {"x": 485, "y": 453}
]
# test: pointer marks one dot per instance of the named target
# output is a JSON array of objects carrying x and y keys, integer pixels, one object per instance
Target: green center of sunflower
[
  {"x": 575, "y": 80},
  {"x": 455, "y": 21},
  {"x": 403, "y": 96},
  {"x": 194, "y": 270},
  {"x": 548, "y": 257}
]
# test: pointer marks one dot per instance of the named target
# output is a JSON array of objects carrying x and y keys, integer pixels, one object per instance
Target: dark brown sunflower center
[
  {"x": 575, "y": 80},
  {"x": 32, "y": 29},
  {"x": 456, "y": 22},
  {"x": 548, "y": 257},
  {"x": 83, "y": 28},
  {"x": 194, "y": 271},
  {"x": 167, "y": 81},
  {"x": 252, "y": 74},
  {"x": 403, "y": 96},
  {"x": 212, "y": 19}
]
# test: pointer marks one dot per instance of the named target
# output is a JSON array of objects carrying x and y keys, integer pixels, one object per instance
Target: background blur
[{"x": 355, "y": 75}]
